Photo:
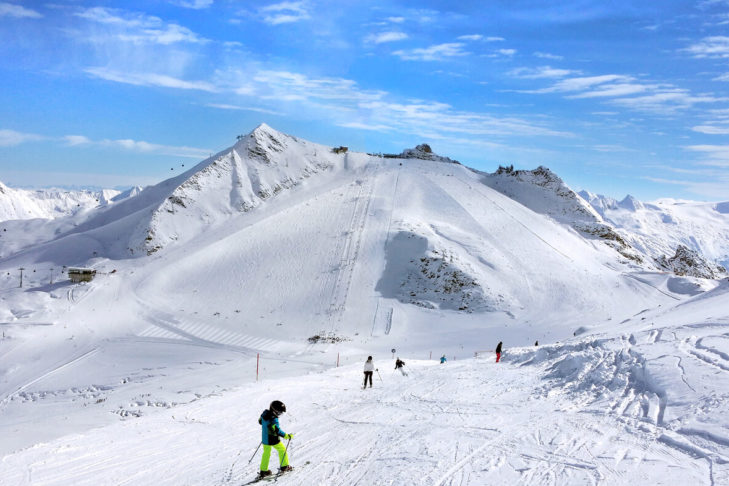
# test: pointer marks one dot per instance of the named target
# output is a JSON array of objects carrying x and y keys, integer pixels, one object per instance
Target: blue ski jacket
[{"x": 270, "y": 429}]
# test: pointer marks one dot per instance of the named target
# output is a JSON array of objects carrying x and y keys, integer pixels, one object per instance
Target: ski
[{"x": 272, "y": 477}]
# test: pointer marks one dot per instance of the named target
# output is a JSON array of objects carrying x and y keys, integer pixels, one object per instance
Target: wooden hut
[{"x": 81, "y": 274}]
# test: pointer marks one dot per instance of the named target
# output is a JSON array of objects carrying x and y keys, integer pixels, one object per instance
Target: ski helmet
[{"x": 277, "y": 407}]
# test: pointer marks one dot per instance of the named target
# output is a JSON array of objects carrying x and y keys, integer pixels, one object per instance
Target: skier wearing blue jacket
[{"x": 271, "y": 433}]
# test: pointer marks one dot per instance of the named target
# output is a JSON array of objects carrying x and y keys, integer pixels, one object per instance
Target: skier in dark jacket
[
  {"x": 399, "y": 365},
  {"x": 270, "y": 437},
  {"x": 498, "y": 352}
]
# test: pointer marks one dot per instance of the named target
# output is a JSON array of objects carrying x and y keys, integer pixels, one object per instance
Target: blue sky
[{"x": 616, "y": 97}]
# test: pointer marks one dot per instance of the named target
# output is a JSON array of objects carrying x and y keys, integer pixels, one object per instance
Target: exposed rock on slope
[
  {"x": 424, "y": 152},
  {"x": 687, "y": 262},
  {"x": 430, "y": 278}
]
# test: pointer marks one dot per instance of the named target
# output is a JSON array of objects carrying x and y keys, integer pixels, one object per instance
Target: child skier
[
  {"x": 443, "y": 359},
  {"x": 271, "y": 431}
]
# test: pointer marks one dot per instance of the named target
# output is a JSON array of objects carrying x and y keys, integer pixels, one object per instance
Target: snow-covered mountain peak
[
  {"x": 264, "y": 142},
  {"x": 260, "y": 165},
  {"x": 630, "y": 203}
]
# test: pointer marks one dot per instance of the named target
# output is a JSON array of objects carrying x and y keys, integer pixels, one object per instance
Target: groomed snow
[{"x": 147, "y": 374}]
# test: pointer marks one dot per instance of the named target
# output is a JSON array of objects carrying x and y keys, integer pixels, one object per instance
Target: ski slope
[
  {"x": 213, "y": 287},
  {"x": 645, "y": 405}
]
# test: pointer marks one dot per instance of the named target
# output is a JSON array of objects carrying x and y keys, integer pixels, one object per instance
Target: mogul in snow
[
  {"x": 399, "y": 365},
  {"x": 369, "y": 368},
  {"x": 271, "y": 434},
  {"x": 498, "y": 351}
]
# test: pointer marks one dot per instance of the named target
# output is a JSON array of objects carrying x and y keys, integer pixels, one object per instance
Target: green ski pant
[{"x": 283, "y": 456}]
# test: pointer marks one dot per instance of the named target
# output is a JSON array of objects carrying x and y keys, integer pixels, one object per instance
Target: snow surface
[{"x": 147, "y": 374}]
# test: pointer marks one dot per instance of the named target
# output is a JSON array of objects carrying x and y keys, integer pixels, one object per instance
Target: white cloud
[
  {"x": 437, "y": 52},
  {"x": 541, "y": 72},
  {"x": 386, "y": 37},
  {"x": 365, "y": 126},
  {"x": 715, "y": 155},
  {"x": 10, "y": 138},
  {"x": 194, "y": 4},
  {"x": 613, "y": 91},
  {"x": 710, "y": 47},
  {"x": 17, "y": 11},
  {"x": 418, "y": 117},
  {"x": 222, "y": 106},
  {"x": 711, "y": 129},
  {"x": 149, "y": 79},
  {"x": 396, "y": 20},
  {"x": 716, "y": 188},
  {"x": 138, "y": 146},
  {"x": 74, "y": 140},
  {"x": 586, "y": 82},
  {"x": 546, "y": 55},
  {"x": 507, "y": 52},
  {"x": 495, "y": 39},
  {"x": 472, "y": 37},
  {"x": 284, "y": 13},
  {"x": 286, "y": 85},
  {"x": 665, "y": 101},
  {"x": 138, "y": 28},
  {"x": 620, "y": 90}
]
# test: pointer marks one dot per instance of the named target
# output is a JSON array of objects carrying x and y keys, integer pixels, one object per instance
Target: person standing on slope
[
  {"x": 498, "y": 352},
  {"x": 271, "y": 433},
  {"x": 399, "y": 365},
  {"x": 369, "y": 368},
  {"x": 443, "y": 359}
]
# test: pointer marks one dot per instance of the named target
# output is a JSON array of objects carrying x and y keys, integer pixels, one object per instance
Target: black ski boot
[
  {"x": 263, "y": 474},
  {"x": 285, "y": 469}
]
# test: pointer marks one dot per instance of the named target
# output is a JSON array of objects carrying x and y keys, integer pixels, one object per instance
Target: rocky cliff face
[{"x": 690, "y": 263}]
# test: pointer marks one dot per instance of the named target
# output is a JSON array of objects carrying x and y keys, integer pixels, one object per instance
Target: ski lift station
[{"x": 81, "y": 274}]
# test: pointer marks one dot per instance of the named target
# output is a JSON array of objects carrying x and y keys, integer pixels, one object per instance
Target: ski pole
[
  {"x": 254, "y": 454},
  {"x": 378, "y": 374},
  {"x": 286, "y": 450}
]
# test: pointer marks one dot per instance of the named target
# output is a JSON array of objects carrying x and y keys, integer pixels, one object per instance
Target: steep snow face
[
  {"x": 261, "y": 165},
  {"x": 542, "y": 191},
  {"x": 51, "y": 203},
  {"x": 658, "y": 228}
]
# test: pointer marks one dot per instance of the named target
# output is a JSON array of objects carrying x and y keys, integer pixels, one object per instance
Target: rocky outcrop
[{"x": 690, "y": 263}]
